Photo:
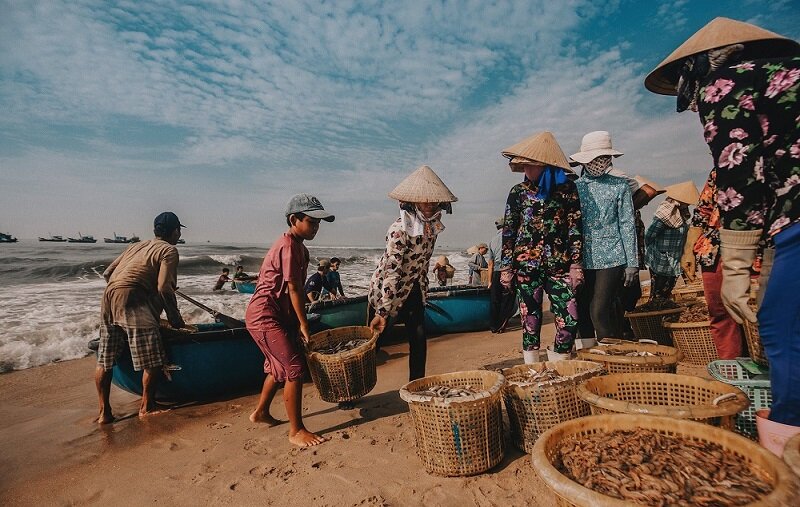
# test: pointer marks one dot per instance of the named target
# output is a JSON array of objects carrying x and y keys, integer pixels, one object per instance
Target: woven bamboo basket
[
  {"x": 791, "y": 454},
  {"x": 694, "y": 340},
  {"x": 754, "y": 345},
  {"x": 665, "y": 360},
  {"x": 665, "y": 394},
  {"x": 688, "y": 293},
  {"x": 462, "y": 436},
  {"x": 534, "y": 409},
  {"x": 647, "y": 325},
  {"x": 569, "y": 493},
  {"x": 348, "y": 375}
]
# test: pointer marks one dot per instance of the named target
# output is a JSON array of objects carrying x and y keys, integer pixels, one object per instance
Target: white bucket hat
[
  {"x": 423, "y": 185},
  {"x": 593, "y": 145}
]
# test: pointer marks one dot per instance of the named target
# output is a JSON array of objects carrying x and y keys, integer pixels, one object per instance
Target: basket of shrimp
[
  {"x": 753, "y": 338},
  {"x": 540, "y": 395},
  {"x": 665, "y": 394},
  {"x": 342, "y": 363},
  {"x": 646, "y": 320},
  {"x": 458, "y": 421},
  {"x": 633, "y": 357},
  {"x": 690, "y": 292},
  {"x": 691, "y": 334},
  {"x": 623, "y": 460}
]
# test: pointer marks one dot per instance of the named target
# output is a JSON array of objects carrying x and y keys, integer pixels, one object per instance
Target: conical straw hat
[
  {"x": 542, "y": 148},
  {"x": 685, "y": 192},
  {"x": 423, "y": 185},
  {"x": 718, "y": 33},
  {"x": 642, "y": 181}
]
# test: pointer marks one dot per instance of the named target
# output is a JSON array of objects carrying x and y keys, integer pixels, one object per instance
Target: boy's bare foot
[
  {"x": 105, "y": 418},
  {"x": 153, "y": 410},
  {"x": 305, "y": 438},
  {"x": 260, "y": 417}
]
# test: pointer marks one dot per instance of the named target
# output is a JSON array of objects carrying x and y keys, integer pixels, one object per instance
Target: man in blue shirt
[
  {"x": 334, "y": 281},
  {"x": 318, "y": 281}
]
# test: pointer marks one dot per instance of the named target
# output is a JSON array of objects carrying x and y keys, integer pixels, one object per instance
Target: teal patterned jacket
[{"x": 609, "y": 231}]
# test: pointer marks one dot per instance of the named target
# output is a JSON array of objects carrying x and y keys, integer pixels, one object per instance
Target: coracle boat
[
  {"x": 215, "y": 361},
  {"x": 450, "y": 309}
]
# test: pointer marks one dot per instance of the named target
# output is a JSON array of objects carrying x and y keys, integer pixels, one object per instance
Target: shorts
[
  {"x": 284, "y": 359},
  {"x": 146, "y": 346}
]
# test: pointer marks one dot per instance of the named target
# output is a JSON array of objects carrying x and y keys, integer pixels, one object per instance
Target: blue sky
[{"x": 221, "y": 110}]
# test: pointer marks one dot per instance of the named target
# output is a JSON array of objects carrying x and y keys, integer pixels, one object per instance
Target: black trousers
[
  {"x": 501, "y": 303},
  {"x": 412, "y": 315},
  {"x": 628, "y": 298},
  {"x": 598, "y": 303}
]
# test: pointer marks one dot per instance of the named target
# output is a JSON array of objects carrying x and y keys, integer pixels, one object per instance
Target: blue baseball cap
[
  {"x": 308, "y": 205},
  {"x": 168, "y": 221}
]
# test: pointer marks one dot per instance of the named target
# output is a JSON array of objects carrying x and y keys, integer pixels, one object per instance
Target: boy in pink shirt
[{"x": 277, "y": 311}]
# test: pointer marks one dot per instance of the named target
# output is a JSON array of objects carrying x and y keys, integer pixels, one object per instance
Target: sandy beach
[{"x": 211, "y": 453}]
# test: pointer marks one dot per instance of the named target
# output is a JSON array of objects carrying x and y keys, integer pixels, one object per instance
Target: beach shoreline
[{"x": 211, "y": 453}]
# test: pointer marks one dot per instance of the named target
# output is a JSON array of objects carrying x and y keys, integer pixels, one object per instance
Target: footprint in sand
[{"x": 219, "y": 426}]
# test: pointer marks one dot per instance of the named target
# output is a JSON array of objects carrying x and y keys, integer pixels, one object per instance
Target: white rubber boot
[
  {"x": 530, "y": 356},
  {"x": 555, "y": 356}
]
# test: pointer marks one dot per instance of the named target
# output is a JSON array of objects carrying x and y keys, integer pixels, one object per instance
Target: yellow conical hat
[
  {"x": 423, "y": 185},
  {"x": 685, "y": 192},
  {"x": 542, "y": 148},
  {"x": 718, "y": 33}
]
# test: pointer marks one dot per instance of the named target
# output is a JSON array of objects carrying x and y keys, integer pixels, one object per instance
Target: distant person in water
[
  {"x": 223, "y": 279},
  {"x": 141, "y": 284},
  {"x": 334, "y": 281},
  {"x": 443, "y": 270},
  {"x": 276, "y": 316},
  {"x": 241, "y": 276},
  {"x": 318, "y": 282}
]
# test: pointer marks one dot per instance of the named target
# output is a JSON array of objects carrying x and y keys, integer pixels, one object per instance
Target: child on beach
[
  {"x": 276, "y": 313},
  {"x": 399, "y": 285}
]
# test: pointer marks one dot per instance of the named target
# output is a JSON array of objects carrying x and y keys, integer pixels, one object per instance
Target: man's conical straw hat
[
  {"x": 718, "y": 33},
  {"x": 642, "y": 181},
  {"x": 542, "y": 148},
  {"x": 685, "y": 192},
  {"x": 423, "y": 185}
]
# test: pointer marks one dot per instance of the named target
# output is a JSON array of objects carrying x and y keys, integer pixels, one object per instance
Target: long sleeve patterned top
[
  {"x": 665, "y": 247},
  {"x": 404, "y": 263},
  {"x": 706, "y": 217},
  {"x": 751, "y": 119},
  {"x": 542, "y": 233},
  {"x": 609, "y": 231}
]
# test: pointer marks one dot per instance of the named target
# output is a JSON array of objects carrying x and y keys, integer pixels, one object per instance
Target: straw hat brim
[
  {"x": 584, "y": 157},
  {"x": 541, "y": 148},
  {"x": 718, "y": 33},
  {"x": 685, "y": 192},
  {"x": 423, "y": 185}
]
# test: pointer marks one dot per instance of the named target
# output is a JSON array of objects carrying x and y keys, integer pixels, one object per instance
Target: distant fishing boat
[
  {"x": 122, "y": 239},
  {"x": 180, "y": 241},
  {"x": 7, "y": 238},
  {"x": 82, "y": 239},
  {"x": 53, "y": 239}
]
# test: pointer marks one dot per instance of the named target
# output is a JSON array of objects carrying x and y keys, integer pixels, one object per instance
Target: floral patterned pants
[{"x": 530, "y": 291}]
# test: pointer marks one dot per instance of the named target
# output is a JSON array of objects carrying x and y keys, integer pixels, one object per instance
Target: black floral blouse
[
  {"x": 541, "y": 233},
  {"x": 751, "y": 119}
]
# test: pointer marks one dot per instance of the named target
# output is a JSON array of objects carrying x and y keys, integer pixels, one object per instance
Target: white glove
[
  {"x": 631, "y": 274},
  {"x": 766, "y": 268},
  {"x": 737, "y": 252}
]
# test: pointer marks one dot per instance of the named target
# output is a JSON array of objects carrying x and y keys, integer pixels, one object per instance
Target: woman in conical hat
[
  {"x": 609, "y": 237},
  {"x": 743, "y": 82},
  {"x": 542, "y": 242},
  {"x": 399, "y": 285},
  {"x": 666, "y": 236}
]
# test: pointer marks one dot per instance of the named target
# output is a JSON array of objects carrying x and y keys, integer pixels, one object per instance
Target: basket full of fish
[
  {"x": 634, "y": 357},
  {"x": 458, "y": 421},
  {"x": 342, "y": 363},
  {"x": 622, "y": 460},
  {"x": 540, "y": 395}
]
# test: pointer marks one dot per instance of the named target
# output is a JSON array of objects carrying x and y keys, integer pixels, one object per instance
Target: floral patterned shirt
[
  {"x": 751, "y": 118},
  {"x": 609, "y": 232},
  {"x": 404, "y": 263},
  {"x": 706, "y": 217},
  {"x": 542, "y": 233}
]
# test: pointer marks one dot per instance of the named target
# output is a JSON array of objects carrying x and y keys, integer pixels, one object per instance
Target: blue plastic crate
[{"x": 757, "y": 389}]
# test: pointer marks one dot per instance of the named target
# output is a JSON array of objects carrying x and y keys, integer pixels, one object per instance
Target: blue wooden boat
[
  {"x": 215, "y": 361},
  {"x": 245, "y": 287}
]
